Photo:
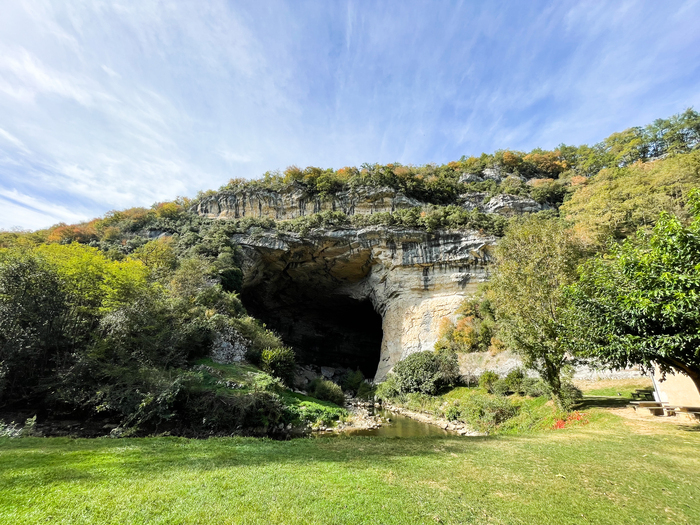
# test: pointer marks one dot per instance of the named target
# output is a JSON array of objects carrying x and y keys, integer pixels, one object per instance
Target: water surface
[{"x": 399, "y": 426}]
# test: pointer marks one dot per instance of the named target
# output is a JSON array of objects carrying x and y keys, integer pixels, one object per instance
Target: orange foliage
[
  {"x": 67, "y": 233},
  {"x": 549, "y": 162},
  {"x": 578, "y": 180},
  {"x": 511, "y": 159}
]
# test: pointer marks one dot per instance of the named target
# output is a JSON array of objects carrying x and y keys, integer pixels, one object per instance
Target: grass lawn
[{"x": 612, "y": 470}]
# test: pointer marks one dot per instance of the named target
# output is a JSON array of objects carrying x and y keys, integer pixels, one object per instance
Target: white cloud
[
  {"x": 25, "y": 211},
  {"x": 13, "y": 140},
  {"x": 116, "y": 104},
  {"x": 25, "y": 76}
]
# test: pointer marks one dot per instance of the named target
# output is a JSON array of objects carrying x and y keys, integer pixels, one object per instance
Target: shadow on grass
[
  {"x": 29, "y": 461},
  {"x": 603, "y": 402}
]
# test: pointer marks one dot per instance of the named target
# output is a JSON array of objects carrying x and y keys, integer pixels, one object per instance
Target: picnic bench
[
  {"x": 653, "y": 408},
  {"x": 643, "y": 394}
]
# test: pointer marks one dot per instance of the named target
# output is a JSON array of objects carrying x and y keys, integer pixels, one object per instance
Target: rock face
[
  {"x": 505, "y": 204},
  {"x": 312, "y": 289},
  {"x": 356, "y": 297},
  {"x": 295, "y": 201}
]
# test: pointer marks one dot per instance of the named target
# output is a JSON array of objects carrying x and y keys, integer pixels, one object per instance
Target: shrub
[
  {"x": 533, "y": 387},
  {"x": 486, "y": 413},
  {"x": 419, "y": 372},
  {"x": 452, "y": 412},
  {"x": 352, "y": 381},
  {"x": 514, "y": 380},
  {"x": 327, "y": 391},
  {"x": 570, "y": 395},
  {"x": 279, "y": 362},
  {"x": 487, "y": 380},
  {"x": 500, "y": 387},
  {"x": 224, "y": 411},
  {"x": 316, "y": 414},
  {"x": 365, "y": 392},
  {"x": 387, "y": 389},
  {"x": 448, "y": 366}
]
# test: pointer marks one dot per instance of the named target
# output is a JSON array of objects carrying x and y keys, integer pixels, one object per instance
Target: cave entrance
[{"x": 324, "y": 329}]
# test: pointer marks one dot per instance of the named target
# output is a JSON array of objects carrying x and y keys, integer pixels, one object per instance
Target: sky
[{"x": 109, "y": 105}]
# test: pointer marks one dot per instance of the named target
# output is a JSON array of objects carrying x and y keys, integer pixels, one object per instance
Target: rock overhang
[{"x": 412, "y": 278}]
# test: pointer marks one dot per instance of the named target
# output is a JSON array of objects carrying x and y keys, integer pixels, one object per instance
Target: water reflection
[{"x": 400, "y": 426}]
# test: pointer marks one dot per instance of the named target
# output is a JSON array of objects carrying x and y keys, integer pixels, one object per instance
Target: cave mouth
[{"x": 324, "y": 329}]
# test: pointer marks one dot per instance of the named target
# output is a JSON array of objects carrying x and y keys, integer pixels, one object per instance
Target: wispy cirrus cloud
[{"x": 108, "y": 105}]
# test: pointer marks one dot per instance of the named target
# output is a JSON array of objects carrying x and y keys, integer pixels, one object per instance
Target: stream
[{"x": 399, "y": 426}]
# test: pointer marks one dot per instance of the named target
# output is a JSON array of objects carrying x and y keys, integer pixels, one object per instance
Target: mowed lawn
[{"x": 612, "y": 470}]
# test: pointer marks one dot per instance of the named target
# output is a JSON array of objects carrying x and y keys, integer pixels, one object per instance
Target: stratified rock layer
[
  {"x": 294, "y": 201},
  {"x": 413, "y": 278}
]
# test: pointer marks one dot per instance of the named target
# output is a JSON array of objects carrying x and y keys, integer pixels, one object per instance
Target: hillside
[{"x": 352, "y": 269}]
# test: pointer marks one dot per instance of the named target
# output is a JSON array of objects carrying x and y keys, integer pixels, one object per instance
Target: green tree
[
  {"x": 33, "y": 315},
  {"x": 534, "y": 260},
  {"x": 618, "y": 201},
  {"x": 639, "y": 303}
]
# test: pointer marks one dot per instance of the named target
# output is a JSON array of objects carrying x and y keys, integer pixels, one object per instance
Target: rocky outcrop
[
  {"x": 413, "y": 279},
  {"x": 503, "y": 204},
  {"x": 294, "y": 200},
  {"x": 506, "y": 204}
]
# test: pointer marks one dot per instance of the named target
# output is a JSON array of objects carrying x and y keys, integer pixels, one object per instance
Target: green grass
[
  {"x": 610, "y": 471},
  {"x": 248, "y": 378},
  {"x": 613, "y": 387}
]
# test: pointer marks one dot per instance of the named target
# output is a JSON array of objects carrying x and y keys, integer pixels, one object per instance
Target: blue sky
[{"x": 108, "y": 105}]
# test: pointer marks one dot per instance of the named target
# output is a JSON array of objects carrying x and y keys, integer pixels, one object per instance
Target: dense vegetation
[{"x": 114, "y": 316}]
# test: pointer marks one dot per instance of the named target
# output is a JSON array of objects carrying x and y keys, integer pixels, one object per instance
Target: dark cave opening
[{"x": 323, "y": 328}]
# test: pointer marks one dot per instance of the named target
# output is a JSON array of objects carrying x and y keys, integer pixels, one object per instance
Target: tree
[
  {"x": 535, "y": 259},
  {"x": 638, "y": 304},
  {"x": 33, "y": 315}
]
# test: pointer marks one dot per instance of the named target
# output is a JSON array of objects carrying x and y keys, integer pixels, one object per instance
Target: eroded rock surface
[
  {"x": 304, "y": 287},
  {"x": 295, "y": 201}
]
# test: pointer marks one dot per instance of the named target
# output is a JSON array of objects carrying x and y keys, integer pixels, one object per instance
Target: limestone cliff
[
  {"x": 413, "y": 279},
  {"x": 338, "y": 295},
  {"x": 294, "y": 200}
]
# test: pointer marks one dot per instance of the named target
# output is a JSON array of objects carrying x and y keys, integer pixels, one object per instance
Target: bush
[
  {"x": 514, "y": 380},
  {"x": 352, "y": 381},
  {"x": 500, "y": 387},
  {"x": 366, "y": 391},
  {"x": 419, "y": 372},
  {"x": 327, "y": 391},
  {"x": 448, "y": 367},
  {"x": 486, "y": 413},
  {"x": 570, "y": 395},
  {"x": 487, "y": 380},
  {"x": 387, "y": 389},
  {"x": 279, "y": 362},
  {"x": 534, "y": 387}
]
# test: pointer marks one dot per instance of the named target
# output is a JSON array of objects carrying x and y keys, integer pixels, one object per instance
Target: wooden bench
[
  {"x": 641, "y": 393},
  {"x": 654, "y": 408}
]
